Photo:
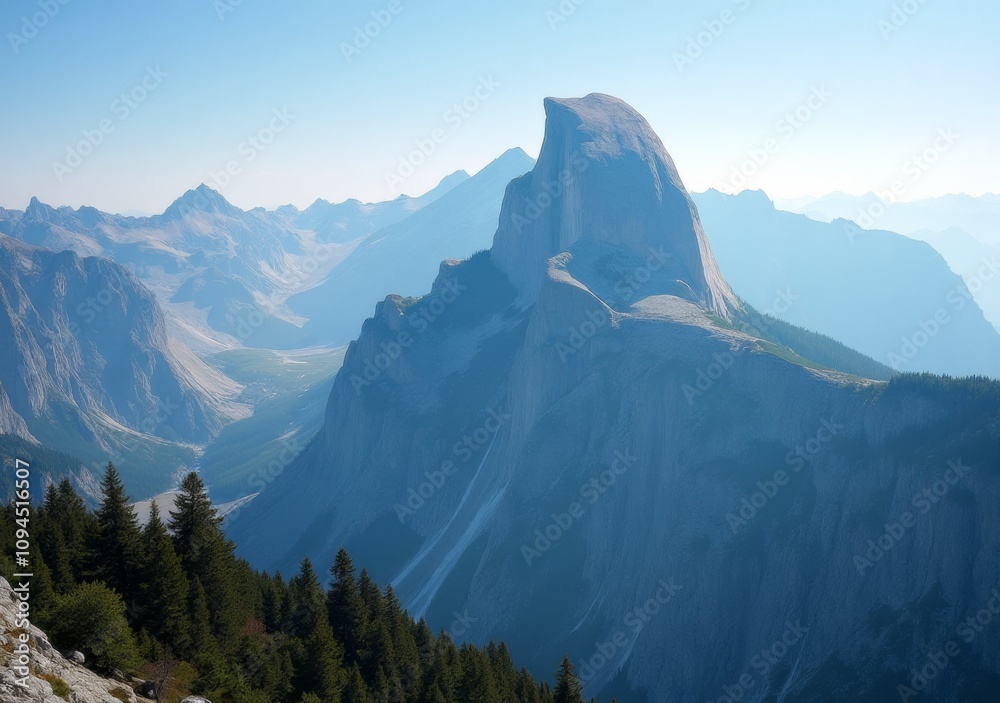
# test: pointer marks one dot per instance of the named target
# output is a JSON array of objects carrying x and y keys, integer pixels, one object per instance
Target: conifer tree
[
  {"x": 476, "y": 684},
  {"x": 117, "y": 541},
  {"x": 357, "y": 690},
  {"x": 568, "y": 688},
  {"x": 164, "y": 592},
  {"x": 207, "y": 555},
  {"x": 324, "y": 672},
  {"x": 308, "y": 601},
  {"x": 348, "y": 615}
]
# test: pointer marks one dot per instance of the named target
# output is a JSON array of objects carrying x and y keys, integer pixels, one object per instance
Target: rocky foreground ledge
[{"x": 48, "y": 669}]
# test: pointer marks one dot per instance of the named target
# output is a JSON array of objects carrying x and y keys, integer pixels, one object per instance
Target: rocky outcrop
[
  {"x": 568, "y": 447},
  {"x": 51, "y": 678},
  {"x": 604, "y": 178},
  {"x": 83, "y": 337}
]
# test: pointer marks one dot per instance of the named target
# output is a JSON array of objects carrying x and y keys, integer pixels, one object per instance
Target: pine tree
[
  {"x": 117, "y": 543},
  {"x": 324, "y": 672},
  {"x": 308, "y": 602},
  {"x": 53, "y": 545},
  {"x": 348, "y": 614},
  {"x": 163, "y": 595},
  {"x": 476, "y": 684},
  {"x": 568, "y": 688},
  {"x": 200, "y": 623},
  {"x": 207, "y": 555},
  {"x": 357, "y": 690},
  {"x": 76, "y": 523}
]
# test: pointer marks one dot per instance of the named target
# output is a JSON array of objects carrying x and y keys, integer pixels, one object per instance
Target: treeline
[{"x": 171, "y": 602}]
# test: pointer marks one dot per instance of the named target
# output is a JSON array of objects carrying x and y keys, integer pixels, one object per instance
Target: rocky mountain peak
[
  {"x": 604, "y": 178},
  {"x": 201, "y": 199}
]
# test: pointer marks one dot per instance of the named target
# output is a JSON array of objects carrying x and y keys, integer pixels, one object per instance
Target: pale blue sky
[{"x": 354, "y": 120}]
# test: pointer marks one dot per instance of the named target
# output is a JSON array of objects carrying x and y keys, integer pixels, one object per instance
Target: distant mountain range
[
  {"x": 87, "y": 364},
  {"x": 964, "y": 229},
  {"x": 587, "y": 440},
  {"x": 886, "y": 295}
]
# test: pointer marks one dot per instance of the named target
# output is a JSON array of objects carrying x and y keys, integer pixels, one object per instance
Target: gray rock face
[
  {"x": 403, "y": 258},
  {"x": 604, "y": 177},
  {"x": 568, "y": 454},
  {"x": 83, "y": 338},
  {"x": 76, "y": 657},
  {"x": 46, "y": 665}
]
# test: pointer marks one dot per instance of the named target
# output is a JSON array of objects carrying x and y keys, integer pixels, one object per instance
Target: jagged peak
[
  {"x": 604, "y": 178},
  {"x": 201, "y": 199}
]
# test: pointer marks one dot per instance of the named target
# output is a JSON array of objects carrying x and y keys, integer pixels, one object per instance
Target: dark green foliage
[
  {"x": 163, "y": 593},
  {"x": 91, "y": 618},
  {"x": 823, "y": 351},
  {"x": 250, "y": 637},
  {"x": 568, "y": 689},
  {"x": 116, "y": 558}
]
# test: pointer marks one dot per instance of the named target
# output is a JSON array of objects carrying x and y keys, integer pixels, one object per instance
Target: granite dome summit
[{"x": 604, "y": 180}]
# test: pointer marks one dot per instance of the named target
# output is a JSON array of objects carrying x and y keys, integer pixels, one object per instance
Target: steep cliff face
[
  {"x": 86, "y": 333},
  {"x": 568, "y": 444},
  {"x": 46, "y": 666},
  {"x": 632, "y": 200}
]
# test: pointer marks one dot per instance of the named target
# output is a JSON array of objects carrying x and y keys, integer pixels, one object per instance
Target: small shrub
[{"x": 59, "y": 687}]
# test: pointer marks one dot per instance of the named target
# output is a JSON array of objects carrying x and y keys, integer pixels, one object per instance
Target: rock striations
[
  {"x": 570, "y": 444},
  {"x": 604, "y": 179}
]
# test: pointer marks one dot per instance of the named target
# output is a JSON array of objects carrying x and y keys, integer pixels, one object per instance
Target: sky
[{"x": 124, "y": 106}]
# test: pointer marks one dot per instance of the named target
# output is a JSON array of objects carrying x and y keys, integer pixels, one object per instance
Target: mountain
[
  {"x": 403, "y": 258},
  {"x": 571, "y": 439},
  {"x": 88, "y": 365},
  {"x": 352, "y": 219},
  {"x": 886, "y": 295},
  {"x": 977, "y": 215},
  {"x": 222, "y": 274},
  {"x": 978, "y": 264}
]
